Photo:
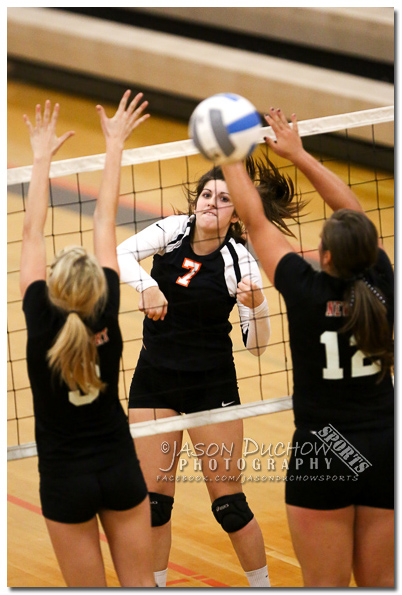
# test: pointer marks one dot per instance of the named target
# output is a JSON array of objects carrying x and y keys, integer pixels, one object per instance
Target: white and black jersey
[
  {"x": 201, "y": 293},
  {"x": 333, "y": 381},
  {"x": 75, "y": 433}
]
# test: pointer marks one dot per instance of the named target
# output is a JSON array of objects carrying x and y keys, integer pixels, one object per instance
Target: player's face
[{"x": 215, "y": 210}]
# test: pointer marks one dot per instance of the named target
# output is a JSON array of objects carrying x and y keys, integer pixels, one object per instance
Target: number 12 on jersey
[{"x": 333, "y": 371}]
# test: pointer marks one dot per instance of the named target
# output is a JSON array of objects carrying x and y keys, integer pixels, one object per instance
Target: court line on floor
[{"x": 173, "y": 566}]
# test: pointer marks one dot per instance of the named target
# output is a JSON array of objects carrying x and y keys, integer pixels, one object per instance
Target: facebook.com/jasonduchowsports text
[{"x": 262, "y": 463}]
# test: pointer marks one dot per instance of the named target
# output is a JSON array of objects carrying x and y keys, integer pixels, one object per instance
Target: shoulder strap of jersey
[
  {"x": 177, "y": 240},
  {"x": 235, "y": 258}
]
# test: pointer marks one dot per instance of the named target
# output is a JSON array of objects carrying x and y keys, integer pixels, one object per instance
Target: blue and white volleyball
[{"x": 225, "y": 128}]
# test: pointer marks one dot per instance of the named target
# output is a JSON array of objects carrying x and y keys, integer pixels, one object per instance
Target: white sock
[
  {"x": 258, "y": 578},
  {"x": 160, "y": 577}
]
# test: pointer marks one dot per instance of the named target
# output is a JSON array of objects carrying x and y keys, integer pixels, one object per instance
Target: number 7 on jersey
[{"x": 193, "y": 266}]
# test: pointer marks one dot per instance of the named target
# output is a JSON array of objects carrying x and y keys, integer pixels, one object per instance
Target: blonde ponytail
[
  {"x": 77, "y": 286},
  {"x": 74, "y": 356}
]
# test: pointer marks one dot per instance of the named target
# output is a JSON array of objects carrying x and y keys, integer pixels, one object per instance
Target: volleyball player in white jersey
[
  {"x": 340, "y": 508},
  {"x": 87, "y": 463}
]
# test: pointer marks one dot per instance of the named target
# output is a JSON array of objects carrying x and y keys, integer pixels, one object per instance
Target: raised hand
[
  {"x": 44, "y": 140},
  {"x": 288, "y": 143},
  {"x": 116, "y": 130},
  {"x": 332, "y": 189},
  {"x": 121, "y": 125},
  {"x": 45, "y": 144}
]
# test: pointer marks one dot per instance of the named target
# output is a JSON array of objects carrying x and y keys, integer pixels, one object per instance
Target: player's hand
[
  {"x": 153, "y": 303},
  {"x": 288, "y": 143},
  {"x": 121, "y": 125},
  {"x": 249, "y": 294},
  {"x": 44, "y": 140}
]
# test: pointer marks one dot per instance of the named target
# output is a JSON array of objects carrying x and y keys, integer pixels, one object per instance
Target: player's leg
[
  {"x": 374, "y": 527},
  {"x": 69, "y": 506},
  {"x": 373, "y": 563},
  {"x": 129, "y": 536},
  {"x": 125, "y": 514},
  {"x": 228, "y": 501},
  {"x": 158, "y": 459},
  {"x": 323, "y": 543},
  {"x": 78, "y": 552}
]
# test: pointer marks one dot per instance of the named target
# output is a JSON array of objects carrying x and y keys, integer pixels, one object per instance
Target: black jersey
[
  {"x": 75, "y": 433},
  {"x": 200, "y": 290},
  {"x": 333, "y": 381}
]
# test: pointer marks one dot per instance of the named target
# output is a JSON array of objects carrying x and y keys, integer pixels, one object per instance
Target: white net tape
[
  {"x": 185, "y": 148},
  {"x": 212, "y": 416},
  {"x": 182, "y": 422},
  {"x": 174, "y": 150}
]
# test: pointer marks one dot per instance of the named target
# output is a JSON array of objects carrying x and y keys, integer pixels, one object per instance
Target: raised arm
[
  {"x": 116, "y": 131},
  {"x": 288, "y": 144},
  {"x": 44, "y": 144},
  {"x": 269, "y": 243}
]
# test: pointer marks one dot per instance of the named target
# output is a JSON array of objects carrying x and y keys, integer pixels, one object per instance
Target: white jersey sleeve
[
  {"x": 254, "y": 322},
  {"x": 154, "y": 239}
]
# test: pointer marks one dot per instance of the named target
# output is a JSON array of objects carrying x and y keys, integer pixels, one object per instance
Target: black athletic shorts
[
  {"x": 78, "y": 498},
  {"x": 184, "y": 392},
  {"x": 357, "y": 469}
]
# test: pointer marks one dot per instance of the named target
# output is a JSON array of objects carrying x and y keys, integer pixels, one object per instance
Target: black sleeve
[
  {"x": 36, "y": 307},
  {"x": 294, "y": 277},
  {"x": 383, "y": 267},
  {"x": 113, "y": 286}
]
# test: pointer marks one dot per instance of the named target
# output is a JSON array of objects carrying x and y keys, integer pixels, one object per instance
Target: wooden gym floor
[{"x": 201, "y": 554}]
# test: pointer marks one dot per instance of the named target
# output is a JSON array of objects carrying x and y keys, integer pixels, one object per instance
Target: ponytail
[
  {"x": 77, "y": 286},
  {"x": 368, "y": 322},
  {"x": 74, "y": 355},
  {"x": 352, "y": 239},
  {"x": 276, "y": 191}
]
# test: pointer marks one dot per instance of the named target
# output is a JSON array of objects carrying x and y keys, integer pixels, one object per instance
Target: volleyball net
[{"x": 152, "y": 188}]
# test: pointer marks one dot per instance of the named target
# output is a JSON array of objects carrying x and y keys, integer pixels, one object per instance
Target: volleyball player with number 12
[
  {"x": 87, "y": 462},
  {"x": 340, "y": 330}
]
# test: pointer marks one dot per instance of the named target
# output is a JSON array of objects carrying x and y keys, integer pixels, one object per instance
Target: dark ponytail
[
  {"x": 276, "y": 191},
  {"x": 352, "y": 240}
]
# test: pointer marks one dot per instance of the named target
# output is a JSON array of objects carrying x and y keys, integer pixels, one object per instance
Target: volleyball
[{"x": 225, "y": 128}]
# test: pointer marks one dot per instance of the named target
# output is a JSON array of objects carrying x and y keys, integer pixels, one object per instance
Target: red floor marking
[
  {"x": 208, "y": 581},
  {"x": 37, "y": 509},
  {"x": 23, "y": 504},
  {"x": 213, "y": 583},
  {"x": 181, "y": 569}
]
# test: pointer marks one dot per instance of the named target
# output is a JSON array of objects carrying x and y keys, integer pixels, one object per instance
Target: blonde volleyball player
[
  {"x": 87, "y": 462},
  {"x": 340, "y": 509}
]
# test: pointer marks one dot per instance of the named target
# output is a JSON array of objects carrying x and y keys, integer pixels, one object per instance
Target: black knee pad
[
  {"x": 161, "y": 508},
  {"x": 232, "y": 512}
]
